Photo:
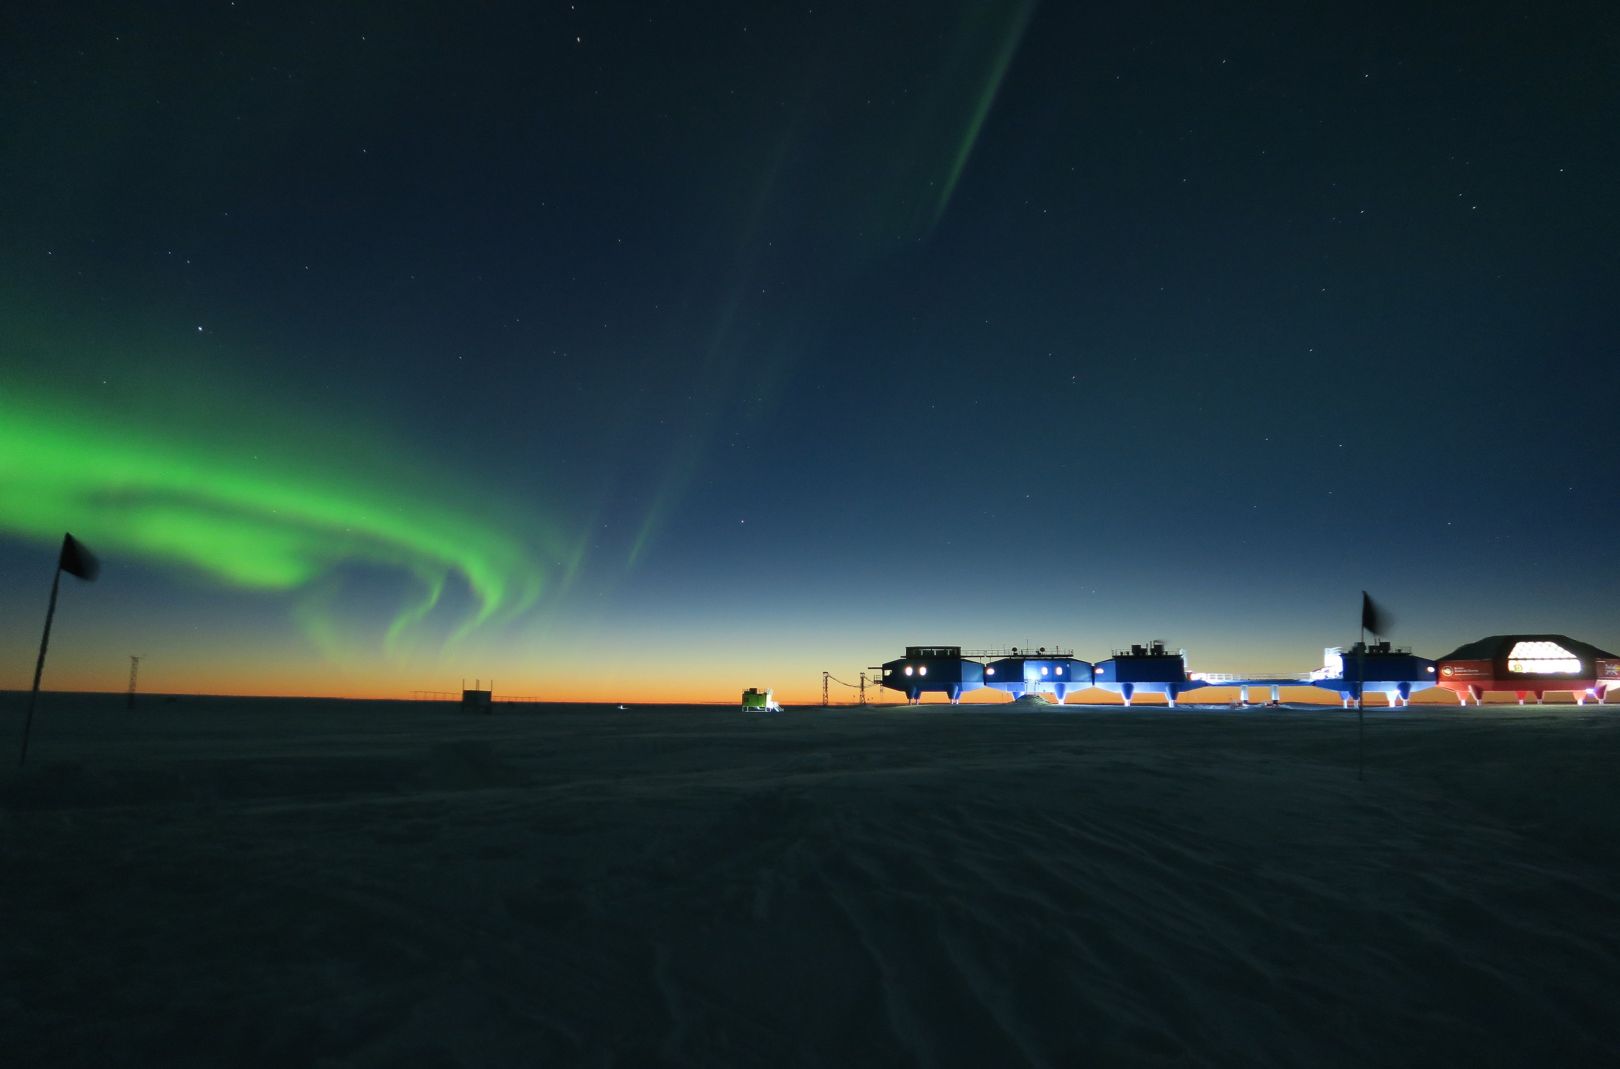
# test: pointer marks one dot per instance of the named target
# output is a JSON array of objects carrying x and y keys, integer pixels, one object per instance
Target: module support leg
[{"x": 1243, "y": 695}]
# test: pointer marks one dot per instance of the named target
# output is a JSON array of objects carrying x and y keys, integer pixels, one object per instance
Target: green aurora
[
  {"x": 139, "y": 490},
  {"x": 1008, "y": 37},
  {"x": 923, "y": 152}
]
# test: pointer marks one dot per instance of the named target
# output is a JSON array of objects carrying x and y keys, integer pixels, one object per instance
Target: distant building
[
  {"x": 477, "y": 701},
  {"x": 760, "y": 700}
]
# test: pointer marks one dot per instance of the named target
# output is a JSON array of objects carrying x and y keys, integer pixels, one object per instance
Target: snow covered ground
[{"x": 288, "y": 883}]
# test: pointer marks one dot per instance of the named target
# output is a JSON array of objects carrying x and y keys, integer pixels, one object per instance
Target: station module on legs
[
  {"x": 932, "y": 670},
  {"x": 1378, "y": 668},
  {"x": 1150, "y": 669},
  {"x": 1523, "y": 665},
  {"x": 1021, "y": 672}
]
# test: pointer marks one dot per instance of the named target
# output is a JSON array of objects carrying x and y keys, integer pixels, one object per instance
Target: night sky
[{"x": 647, "y": 350}]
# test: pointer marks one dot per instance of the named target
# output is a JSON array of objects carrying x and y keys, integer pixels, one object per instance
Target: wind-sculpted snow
[{"x": 217, "y": 882}]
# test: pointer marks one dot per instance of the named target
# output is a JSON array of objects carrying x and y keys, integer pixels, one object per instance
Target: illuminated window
[
  {"x": 908, "y": 669},
  {"x": 1537, "y": 658},
  {"x": 1043, "y": 669},
  {"x": 922, "y": 670},
  {"x": 1060, "y": 669}
]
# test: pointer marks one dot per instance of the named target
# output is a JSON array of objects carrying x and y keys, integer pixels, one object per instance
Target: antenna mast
[{"x": 134, "y": 667}]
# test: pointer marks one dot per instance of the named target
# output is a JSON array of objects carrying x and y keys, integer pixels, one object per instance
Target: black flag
[
  {"x": 77, "y": 560},
  {"x": 1378, "y": 622},
  {"x": 1373, "y": 618}
]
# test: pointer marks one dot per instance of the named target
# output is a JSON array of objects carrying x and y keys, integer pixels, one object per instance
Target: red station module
[{"x": 1526, "y": 665}]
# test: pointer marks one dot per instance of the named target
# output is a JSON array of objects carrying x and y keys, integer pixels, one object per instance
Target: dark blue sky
[{"x": 776, "y": 340}]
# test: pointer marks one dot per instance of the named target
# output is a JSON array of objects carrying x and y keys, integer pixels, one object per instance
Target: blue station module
[
  {"x": 1040, "y": 672},
  {"x": 1380, "y": 669},
  {"x": 932, "y": 670},
  {"x": 1522, "y": 664},
  {"x": 1150, "y": 669}
]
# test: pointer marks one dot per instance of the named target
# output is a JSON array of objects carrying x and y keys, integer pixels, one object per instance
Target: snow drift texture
[{"x": 226, "y": 882}]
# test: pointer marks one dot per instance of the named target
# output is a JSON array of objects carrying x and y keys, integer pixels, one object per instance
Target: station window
[{"x": 1536, "y": 658}]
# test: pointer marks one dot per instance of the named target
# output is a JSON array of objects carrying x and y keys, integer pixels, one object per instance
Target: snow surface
[{"x": 291, "y": 883}]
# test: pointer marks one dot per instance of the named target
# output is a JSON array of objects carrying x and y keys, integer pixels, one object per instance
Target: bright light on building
[
  {"x": 1537, "y": 658},
  {"x": 989, "y": 671},
  {"x": 908, "y": 669}
]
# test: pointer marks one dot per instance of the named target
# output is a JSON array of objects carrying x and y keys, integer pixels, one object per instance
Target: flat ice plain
[{"x": 288, "y": 883}]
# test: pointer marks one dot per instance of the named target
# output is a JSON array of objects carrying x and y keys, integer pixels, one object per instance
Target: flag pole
[
  {"x": 39, "y": 666},
  {"x": 1361, "y": 696}
]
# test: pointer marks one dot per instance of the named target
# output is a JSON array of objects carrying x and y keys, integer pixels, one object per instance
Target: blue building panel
[
  {"x": 1056, "y": 676},
  {"x": 1379, "y": 669},
  {"x": 1139, "y": 670},
  {"x": 1149, "y": 669},
  {"x": 932, "y": 670}
]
